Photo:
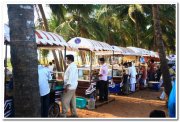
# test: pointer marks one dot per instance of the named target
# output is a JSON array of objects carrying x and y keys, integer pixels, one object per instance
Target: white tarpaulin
[
  {"x": 129, "y": 52},
  {"x": 119, "y": 51},
  {"x": 154, "y": 54},
  {"x": 140, "y": 51},
  {"x": 84, "y": 43}
]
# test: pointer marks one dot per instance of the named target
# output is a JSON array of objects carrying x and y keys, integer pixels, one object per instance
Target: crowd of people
[{"x": 147, "y": 72}]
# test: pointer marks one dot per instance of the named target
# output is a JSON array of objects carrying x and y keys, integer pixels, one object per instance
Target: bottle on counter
[{"x": 91, "y": 103}]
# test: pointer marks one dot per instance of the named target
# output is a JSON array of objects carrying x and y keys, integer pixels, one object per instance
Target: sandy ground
[{"x": 138, "y": 104}]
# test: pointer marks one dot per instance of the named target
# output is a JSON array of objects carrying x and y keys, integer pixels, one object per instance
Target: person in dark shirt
[
  {"x": 152, "y": 70},
  {"x": 157, "y": 114}
]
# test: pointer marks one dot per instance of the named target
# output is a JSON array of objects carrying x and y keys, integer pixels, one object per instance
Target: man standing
[
  {"x": 70, "y": 85},
  {"x": 103, "y": 83},
  {"x": 152, "y": 70},
  {"x": 144, "y": 76},
  {"x": 44, "y": 76},
  {"x": 132, "y": 74}
]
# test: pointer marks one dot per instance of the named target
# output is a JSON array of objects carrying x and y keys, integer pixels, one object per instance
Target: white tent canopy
[
  {"x": 127, "y": 51},
  {"x": 118, "y": 51},
  {"x": 144, "y": 52},
  {"x": 140, "y": 51},
  {"x": 154, "y": 54},
  {"x": 92, "y": 45},
  {"x": 171, "y": 57}
]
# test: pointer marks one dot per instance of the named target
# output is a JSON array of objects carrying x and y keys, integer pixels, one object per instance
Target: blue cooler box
[
  {"x": 154, "y": 85},
  {"x": 116, "y": 89},
  {"x": 81, "y": 102}
]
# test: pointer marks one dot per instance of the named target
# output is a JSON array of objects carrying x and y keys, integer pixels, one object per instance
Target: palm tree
[
  {"x": 47, "y": 29},
  {"x": 167, "y": 12},
  {"x": 24, "y": 60},
  {"x": 161, "y": 49},
  {"x": 116, "y": 24},
  {"x": 136, "y": 14}
]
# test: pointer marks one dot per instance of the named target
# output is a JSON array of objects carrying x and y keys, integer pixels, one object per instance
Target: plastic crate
[
  {"x": 154, "y": 85},
  {"x": 81, "y": 102},
  {"x": 116, "y": 89}
]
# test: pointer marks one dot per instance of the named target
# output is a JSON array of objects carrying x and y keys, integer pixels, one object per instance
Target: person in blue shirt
[
  {"x": 142, "y": 60},
  {"x": 172, "y": 102}
]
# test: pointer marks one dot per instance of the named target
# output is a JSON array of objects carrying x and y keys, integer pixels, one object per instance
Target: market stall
[
  {"x": 85, "y": 70},
  {"x": 145, "y": 53},
  {"x": 44, "y": 40}
]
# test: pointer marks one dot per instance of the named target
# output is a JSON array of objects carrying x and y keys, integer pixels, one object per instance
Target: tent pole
[
  {"x": 5, "y": 64},
  {"x": 112, "y": 63},
  {"x": 90, "y": 65},
  {"x": 65, "y": 58},
  {"x": 5, "y": 61}
]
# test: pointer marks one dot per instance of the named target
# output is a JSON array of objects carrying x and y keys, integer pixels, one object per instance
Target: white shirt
[
  {"x": 104, "y": 72},
  {"x": 132, "y": 72},
  {"x": 51, "y": 68},
  {"x": 71, "y": 76},
  {"x": 44, "y": 76}
]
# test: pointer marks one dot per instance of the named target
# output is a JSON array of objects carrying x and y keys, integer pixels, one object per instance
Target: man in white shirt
[
  {"x": 132, "y": 74},
  {"x": 103, "y": 83},
  {"x": 70, "y": 85},
  {"x": 44, "y": 77},
  {"x": 51, "y": 67}
]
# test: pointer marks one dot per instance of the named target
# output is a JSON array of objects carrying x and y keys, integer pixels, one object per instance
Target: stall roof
[
  {"x": 127, "y": 51},
  {"x": 154, "y": 54},
  {"x": 93, "y": 45},
  {"x": 43, "y": 39},
  {"x": 140, "y": 51},
  {"x": 144, "y": 52},
  {"x": 118, "y": 51}
]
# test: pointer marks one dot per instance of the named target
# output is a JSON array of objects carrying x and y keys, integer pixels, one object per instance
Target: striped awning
[
  {"x": 48, "y": 38},
  {"x": 44, "y": 39},
  {"x": 93, "y": 45}
]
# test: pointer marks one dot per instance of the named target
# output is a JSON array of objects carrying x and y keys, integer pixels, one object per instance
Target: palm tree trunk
[
  {"x": 43, "y": 17},
  {"x": 24, "y": 60},
  {"x": 137, "y": 35},
  {"x": 161, "y": 50},
  {"x": 61, "y": 60},
  {"x": 56, "y": 60},
  {"x": 47, "y": 29}
]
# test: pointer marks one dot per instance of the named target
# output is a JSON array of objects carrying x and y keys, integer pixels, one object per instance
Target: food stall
[
  {"x": 44, "y": 40},
  {"x": 144, "y": 53},
  {"x": 85, "y": 70}
]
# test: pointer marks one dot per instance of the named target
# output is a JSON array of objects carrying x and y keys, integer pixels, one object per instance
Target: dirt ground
[{"x": 138, "y": 104}]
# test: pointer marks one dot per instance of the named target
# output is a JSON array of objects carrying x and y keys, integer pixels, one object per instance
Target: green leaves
[{"x": 122, "y": 25}]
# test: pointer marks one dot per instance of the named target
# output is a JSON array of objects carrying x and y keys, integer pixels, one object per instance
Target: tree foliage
[{"x": 117, "y": 24}]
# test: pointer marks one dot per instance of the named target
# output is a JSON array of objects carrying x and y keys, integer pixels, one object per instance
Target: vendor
[
  {"x": 132, "y": 74},
  {"x": 103, "y": 82}
]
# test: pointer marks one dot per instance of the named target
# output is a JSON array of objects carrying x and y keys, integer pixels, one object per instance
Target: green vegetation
[
  {"x": 121, "y": 25},
  {"x": 9, "y": 63}
]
